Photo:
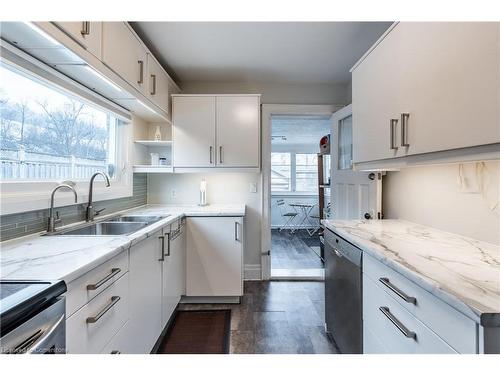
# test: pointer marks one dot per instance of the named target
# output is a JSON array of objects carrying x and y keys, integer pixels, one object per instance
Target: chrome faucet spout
[
  {"x": 90, "y": 212},
  {"x": 51, "y": 226}
]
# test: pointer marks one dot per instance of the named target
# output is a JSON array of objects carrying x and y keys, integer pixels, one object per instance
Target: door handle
[
  {"x": 93, "y": 319},
  {"x": 392, "y": 130},
  {"x": 400, "y": 326},
  {"x": 153, "y": 91},
  {"x": 97, "y": 285},
  {"x": 141, "y": 72},
  {"x": 168, "y": 244},
  {"x": 404, "y": 129},
  {"x": 397, "y": 291},
  {"x": 162, "y": 239}
]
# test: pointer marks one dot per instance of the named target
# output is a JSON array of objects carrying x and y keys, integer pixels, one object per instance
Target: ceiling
[
  {"x": 299, "y": 130},
  {"x": 284, "y": 52}
]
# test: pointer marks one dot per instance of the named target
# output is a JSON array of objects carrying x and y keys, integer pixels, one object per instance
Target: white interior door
[{"x": 355, "y": 194}]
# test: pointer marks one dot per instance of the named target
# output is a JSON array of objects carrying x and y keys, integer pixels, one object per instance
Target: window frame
[
  {"x": 28, "y": 195},
  {"x": 293, "y": 173}
]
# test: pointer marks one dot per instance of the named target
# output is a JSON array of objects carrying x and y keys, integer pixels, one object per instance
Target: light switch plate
[
  {"x": 253, "y": 187},
  {"x": 173, "y": 193}
]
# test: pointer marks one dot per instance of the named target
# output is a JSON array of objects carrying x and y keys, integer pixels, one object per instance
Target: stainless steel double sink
[{"x": 114, "y": 226}]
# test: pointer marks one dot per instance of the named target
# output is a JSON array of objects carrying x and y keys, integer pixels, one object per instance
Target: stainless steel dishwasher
[{"x": 343, "y": 293}]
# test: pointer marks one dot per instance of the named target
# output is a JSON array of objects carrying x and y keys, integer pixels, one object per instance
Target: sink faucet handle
[
  {"x": 57, "y": 219},
  {"x": 97, "y": 212}
]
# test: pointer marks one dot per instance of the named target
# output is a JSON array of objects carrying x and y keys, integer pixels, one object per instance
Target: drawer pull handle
[
  {"x": 400, "y": 326},
  {"x": 162, "y": 239},
  {"x": 114, "y": 301},
  {"x": 114, "y": 272},
  {"x": 399, "y": 292}
]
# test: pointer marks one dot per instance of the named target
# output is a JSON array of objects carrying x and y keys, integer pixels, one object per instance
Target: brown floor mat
[{"x": 198, "y": 332}]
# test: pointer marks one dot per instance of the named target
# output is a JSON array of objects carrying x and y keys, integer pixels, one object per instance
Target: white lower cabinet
[
  {"x": 401, "y": 317},
  {"x": 173, "y": 271},
  {"x": 121, "y": 343},
  {"x": 90, "y": 328},
  {"x": 214, "y": 257},
  {"x": 145, "y": 292}
]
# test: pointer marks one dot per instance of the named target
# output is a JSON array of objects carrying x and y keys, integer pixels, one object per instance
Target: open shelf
[
  {"x": 153, "y": 169},
  {"x": 155, "y": 143}
]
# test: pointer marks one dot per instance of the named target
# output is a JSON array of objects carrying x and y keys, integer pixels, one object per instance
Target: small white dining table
[{"x": 304, "y": 209}]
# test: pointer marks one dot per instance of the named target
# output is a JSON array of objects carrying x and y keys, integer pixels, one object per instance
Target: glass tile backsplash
[{"x": 24, "y": 223}]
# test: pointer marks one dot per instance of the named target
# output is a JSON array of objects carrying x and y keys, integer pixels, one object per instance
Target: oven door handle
[{"x": 47, "y": 336}]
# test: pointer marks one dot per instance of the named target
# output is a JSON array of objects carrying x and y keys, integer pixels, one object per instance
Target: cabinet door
[
  {"x": 214, "y": 256},
  {"x": 145, "y": 293},
  {"x": 374, "y": 101},
  {"x": 124, "y": 54},
  {"x": 173, "y": 272},
  {"x": 157, "y": 84},
  {"x": 194, "y": 131},
  {"x": 238, "y": 131},
  {"x": 86, "y": 33},
  {"x": 450, "y": 84}
]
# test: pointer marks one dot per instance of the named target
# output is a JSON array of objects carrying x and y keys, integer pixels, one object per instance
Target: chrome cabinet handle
[
  {"x": 392, "y": 130},
  {"x": 404, "y": 129},
  {"x": 399, "y": 292},
  {"x": 114, "y": 271},
  {"x": 141, "y": 72},
  {"x": 85, "y": 28},
  {"x": 236, "y": 237},
  {"x": 400, "y": 326},
  {"x": 220, "y": 154},
  {"x": 168, "y": 245},
  {"x": 114, "y": 301},
  {"x": 162, "y": 239},
  {"x": 37, "y": 341},
  {"x": 211, "y": 160},
  {"x": 153, "y": 92}
]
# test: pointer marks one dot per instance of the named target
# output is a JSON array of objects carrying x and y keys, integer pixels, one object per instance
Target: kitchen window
[
  {"x": 49, "y": 135},
  {"x": 294, "y": 172}
]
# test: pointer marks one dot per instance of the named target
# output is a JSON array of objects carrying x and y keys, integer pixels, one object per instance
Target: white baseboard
[{"x": 252, "y": 272}]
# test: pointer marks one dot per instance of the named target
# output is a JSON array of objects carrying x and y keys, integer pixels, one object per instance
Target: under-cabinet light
[
  {"x": 145, "y": 106},
  {"x": 102, "y": 78},
  {"x": 42, "y": 33}
]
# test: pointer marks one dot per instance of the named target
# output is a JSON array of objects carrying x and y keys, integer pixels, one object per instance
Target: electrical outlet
[
  {"x": 253, "y": 187},
  {"x": 173, "y": 193}
]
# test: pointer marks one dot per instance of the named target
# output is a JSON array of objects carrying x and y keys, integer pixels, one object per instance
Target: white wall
[
  {"x": 432, "y": 195},
  {"x": 275, "y": 93},
  {"x": 223, "y": 188}
]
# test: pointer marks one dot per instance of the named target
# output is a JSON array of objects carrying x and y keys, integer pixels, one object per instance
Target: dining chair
[{"x": 288, "y": 216}]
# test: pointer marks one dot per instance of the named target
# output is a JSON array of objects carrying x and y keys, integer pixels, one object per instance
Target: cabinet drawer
[
  {"x": 120, "y": 343},
  {"x": 455, "y": 328},
  {"x": 91, "y": 327},
  {"x": 371, "y": 343},
  {"x": 386, "y": 331},
  {"x": 86, "y": 287}
]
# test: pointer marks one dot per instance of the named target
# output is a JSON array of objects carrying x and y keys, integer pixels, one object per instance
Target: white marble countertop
[
  {"x": 60, "y": 257},
  {"x": 463, "y": 272}
]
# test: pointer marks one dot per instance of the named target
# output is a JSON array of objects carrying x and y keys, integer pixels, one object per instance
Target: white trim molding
[{"x": 252, "y": 272}]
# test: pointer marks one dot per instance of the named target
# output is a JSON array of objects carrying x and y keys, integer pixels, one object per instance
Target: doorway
[{"x": 290, "y": 173}]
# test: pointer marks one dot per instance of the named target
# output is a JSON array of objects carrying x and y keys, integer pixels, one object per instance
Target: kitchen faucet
[
  {"x": 90, "y": 213},
  {"x": 51, "y": 225}
]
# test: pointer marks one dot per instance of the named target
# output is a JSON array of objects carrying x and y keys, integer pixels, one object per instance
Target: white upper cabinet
[
  {"x": 125, "y": 54},
  {"x": 238, "y": 131},
  {"x": 86, "y": 33},
  {"x": 438, "y": 84},
  {"x": 216, "y": 131},
  {"x": 193, "y": 131},
  {"x": 449, "y": 84},
  {"x": 157, "y": 84}
]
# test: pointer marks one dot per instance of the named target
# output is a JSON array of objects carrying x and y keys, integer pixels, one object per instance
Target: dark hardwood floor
[
  {"x": 278, "y": 317},
  {"x": 294, "y": 251}
]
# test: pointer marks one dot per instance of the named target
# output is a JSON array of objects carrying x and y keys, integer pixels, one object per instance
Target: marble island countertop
[
  {"x": 60, "y": 257},
  {"x": 463, "y": 272}
]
